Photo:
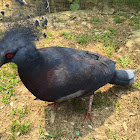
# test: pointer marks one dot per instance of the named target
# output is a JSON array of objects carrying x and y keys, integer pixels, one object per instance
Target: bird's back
[{"x": 65, "y": 72}]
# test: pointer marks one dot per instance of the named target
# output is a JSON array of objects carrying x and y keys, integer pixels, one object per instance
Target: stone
[
  {"x": 72, "y": 123},
  {"x": 2, "y": 107},
  {"x": 84, "y": 23},
  {"x": 89, "y": 126},
  {"x": 125, "y": 126},
  {"x": 11, "y": 104},
  {"x": 52, "y": 117},
  {"x": 134, "y": 40}
]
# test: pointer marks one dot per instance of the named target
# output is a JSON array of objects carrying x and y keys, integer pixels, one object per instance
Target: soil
[{"x": 116, "y": 109}]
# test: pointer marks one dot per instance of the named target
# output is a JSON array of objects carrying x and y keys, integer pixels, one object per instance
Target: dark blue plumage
[
  {"x": 45, "y": 35},
  {"x": 37, "y": 22},
  {"x": 46, "y": 4},
  {"x": 3, "y": 12},
  {"x": 7, "y": 5},
  {"x": 56, "y": 73},
  {"x": 21, "y": 2},
  {"x": 45, "y": 22}
]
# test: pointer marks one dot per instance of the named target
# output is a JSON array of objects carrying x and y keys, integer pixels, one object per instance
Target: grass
[
  {"x": 137, "y": 84},
  {"x": 78, "y": 105},
  {"x": 19, "y": 112},
  {"x": 9, "y": 79},
  {"x": 96, "y": 20},
  {"x": 83, "y": 39},
  {"x": 118, "y": 19},
  {"x": 130, "y": 3},
  {"x": 113, "y": 133},
  {"x": 58, "y": 133},
  {"x": 135, "y": 21},
  {"x": 124, "y": 61},
  {"x": 68, "y": 35},
  {"x": 102, "y": 100},
  {"x": 18, "y": 127},
  {"x": 112, "y": 30}
]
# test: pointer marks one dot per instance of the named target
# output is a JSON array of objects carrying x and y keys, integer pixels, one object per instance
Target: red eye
[{"x": 9, "y": 55}]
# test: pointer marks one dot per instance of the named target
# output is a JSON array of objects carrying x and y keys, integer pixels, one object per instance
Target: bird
[
  {"x": 3, "y": 12},
  {"x": 57, "y": 74},
  {"x": 28, "y": 17},
  {"x": 45, "y": 35},
  {"x": 21, "y": 2},
  {"x": 45, "y": 22},
  {"x": 7, "y": 5},
  {"x": 46, "y": 4},
  {"x": 37, "y": 22}
]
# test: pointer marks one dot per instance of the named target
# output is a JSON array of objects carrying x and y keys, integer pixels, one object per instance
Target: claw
[{"x": 87, "y": 115}]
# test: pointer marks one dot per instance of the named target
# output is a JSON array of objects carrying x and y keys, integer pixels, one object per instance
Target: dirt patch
[{"x": 115, "y": 108}]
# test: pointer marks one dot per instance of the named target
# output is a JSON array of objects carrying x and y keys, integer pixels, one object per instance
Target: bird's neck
[{"x": 32, "y": 61}]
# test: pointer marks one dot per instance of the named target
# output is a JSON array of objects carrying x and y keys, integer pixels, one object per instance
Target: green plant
[
  {"x": 112, "y": 30},
  {"x": 83, "y": 39},
  {"x": 135, "y": 21},
  {"x": 45, "y": 110},
  {"x": 58, "y": 134},
  {"x": 68, "y": 35},
  {"x": 19, "y": 112},
  {"x": 60, "y": 20},
  {"x": 75, "y": 5},
  {"x": 137, "y": 84},
  {"x": 40, "y": 131},
  {"x": 17, "y": 126},
  {"x": 124, "y": 61},
  {"x": 130, "y": 3},
  {"x": 113, "y": 133},
  {"x": 102, "y": 100},
  {"x": 78, "y": 105},
  {"x": 118, "y": 19},
  {"x": 96, "y": 20},
  {"x": 5, "y": 99},
  {"x": 123, "y": 138}
]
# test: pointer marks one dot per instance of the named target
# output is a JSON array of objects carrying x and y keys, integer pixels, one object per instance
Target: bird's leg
[
  {"x": 53, "y": 103},
  {"x": 88, "y": 113}
]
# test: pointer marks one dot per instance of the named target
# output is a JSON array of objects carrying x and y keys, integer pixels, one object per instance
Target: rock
[
  {"x": 11, "y": 104},
  {"x": 72, "y": 123},
  {"x": 134, "y": 40},
  {"x": 84, "y": 23},
  {"x": 61, "y": 25},
  {"x": 90, "y": 126},
  {"x": 18, "y": 134},
  {"x": 125, "y": 126},
  {"x": 52, "y": 117},
  {"x": 2, "y": 107}
]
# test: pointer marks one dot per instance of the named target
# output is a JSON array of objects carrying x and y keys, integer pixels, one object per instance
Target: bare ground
[{"x": 116, "y": 109}]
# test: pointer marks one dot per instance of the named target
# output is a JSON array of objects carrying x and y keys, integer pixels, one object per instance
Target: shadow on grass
[{"x": 68, "y": 119}]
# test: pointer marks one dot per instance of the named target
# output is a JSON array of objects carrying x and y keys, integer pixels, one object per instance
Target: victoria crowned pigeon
[{"x": 56, "y": 74}]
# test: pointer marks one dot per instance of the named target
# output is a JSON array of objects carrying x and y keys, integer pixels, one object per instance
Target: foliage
[
  {"x": 124, "y": 61},
  {"x": 134, "y": 3},
  {"x": 19, "y": 112},
  {"x": 75, "y": 5},
  {"x": 19, "y": 127},
  {"x": 57, "y": 134}
]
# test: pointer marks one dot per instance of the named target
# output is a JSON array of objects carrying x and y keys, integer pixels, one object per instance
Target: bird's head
[{"x": 17, "y": 45}]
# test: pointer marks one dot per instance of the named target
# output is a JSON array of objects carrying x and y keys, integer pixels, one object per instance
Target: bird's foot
[{"x": 87, "y": 114}]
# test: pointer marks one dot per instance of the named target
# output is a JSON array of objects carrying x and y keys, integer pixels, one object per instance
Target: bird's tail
[{"x": 123, "y": 77}]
